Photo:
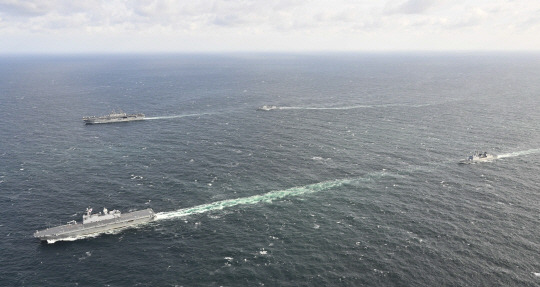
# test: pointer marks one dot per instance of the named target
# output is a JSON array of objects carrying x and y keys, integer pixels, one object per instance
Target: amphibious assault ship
[
  {"x": 113, "y": 117},
  {"x": 94, "y": 224}
]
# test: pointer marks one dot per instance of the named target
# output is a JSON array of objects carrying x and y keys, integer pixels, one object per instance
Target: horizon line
[{"x": 268, "y": 52}]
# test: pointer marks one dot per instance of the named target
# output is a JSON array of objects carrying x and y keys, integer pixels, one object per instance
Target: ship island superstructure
[
  {"x": 114, "y": 117},
  {"x": 95, "y": 224}
]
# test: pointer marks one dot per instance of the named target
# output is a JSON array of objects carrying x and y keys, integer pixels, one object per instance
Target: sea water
[{"x": 352, "y": 180}]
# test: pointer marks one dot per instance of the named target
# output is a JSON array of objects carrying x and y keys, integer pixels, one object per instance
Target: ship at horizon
[
  {"x": 113, "y": 117},
  {"x": 267, "y": 108},
  {"x": 95, "y": 224}
]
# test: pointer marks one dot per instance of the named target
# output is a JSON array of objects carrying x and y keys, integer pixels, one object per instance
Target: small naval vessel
[
  {"x": 113, "y": 117},
  {"x": 94, "y": 224},
  {"x": 478, "y": 157},
  {"x": 267, "y": 108}
]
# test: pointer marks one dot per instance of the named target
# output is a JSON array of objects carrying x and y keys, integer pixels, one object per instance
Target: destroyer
[
  {"x": 478, "y": 157},
  {"x": 113, "y": 118},
  {"x": 94, "y": 224}
]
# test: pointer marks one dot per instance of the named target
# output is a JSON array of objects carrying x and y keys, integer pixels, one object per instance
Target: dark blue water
[{"x": 352, "y": 181}]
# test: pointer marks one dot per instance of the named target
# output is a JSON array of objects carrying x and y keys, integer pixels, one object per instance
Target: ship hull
[
  {"x": 78, "y": 230},
  {"x": 108, "y": 120},
  {"x": 476, "y": 159},
  {"x": 267, "y": 108}
]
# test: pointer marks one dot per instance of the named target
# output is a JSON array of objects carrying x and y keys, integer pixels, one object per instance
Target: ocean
[{"x": 352, "y": 180}]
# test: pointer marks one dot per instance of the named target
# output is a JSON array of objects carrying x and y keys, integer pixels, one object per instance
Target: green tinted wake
[{"x": 267, "y": 197}]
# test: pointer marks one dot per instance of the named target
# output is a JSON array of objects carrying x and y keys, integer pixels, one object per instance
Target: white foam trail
[
  {"x": 51, "y": 241},
  {"x": 354, "y": 107},
  {"x": 177, "y": 116},
  {"x": 519, "y": 153},
  {"x": 325, "y": 108},
  {"x": 267, "y": 197}
]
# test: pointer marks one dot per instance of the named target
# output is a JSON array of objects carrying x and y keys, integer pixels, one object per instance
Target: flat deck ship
[
  {"x": 113, "y": 118},
  {"x": 94, "y": 224}
]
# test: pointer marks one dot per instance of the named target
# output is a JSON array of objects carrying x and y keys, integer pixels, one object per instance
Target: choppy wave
[
  {"x": 266, "y": 197},
  {"x": 429, "y": 220}
]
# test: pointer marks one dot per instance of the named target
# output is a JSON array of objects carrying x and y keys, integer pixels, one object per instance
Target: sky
[{"x": 154, "y": 26}]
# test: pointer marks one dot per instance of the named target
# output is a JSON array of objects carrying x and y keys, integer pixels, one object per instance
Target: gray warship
[
  {"x": 267, "y": 108},
  {"x": 94, "y": 224},
  {"x": 113, "y": 117},
  {"x": 478, "y": 157}
]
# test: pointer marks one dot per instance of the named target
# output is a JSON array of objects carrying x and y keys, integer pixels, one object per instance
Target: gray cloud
[
  {"x": 228, "y": 20},
  {"x": 23, "y": 8},
  {"x": 411, "y": 7}
]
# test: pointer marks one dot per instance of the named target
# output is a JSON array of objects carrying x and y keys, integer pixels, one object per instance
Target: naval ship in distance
[
  {"x": 113, "y": 117},
  {"x": 478, "y": 157},
  {"x": 94, "y": 224}
]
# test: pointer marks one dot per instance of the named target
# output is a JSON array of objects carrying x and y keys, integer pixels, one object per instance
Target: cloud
[
  {"x": 412, "y": 7},
  {"x": 247, "y": 24},
  {"x": 24, "y": 8},
  {"x": 476, "y": 17},
  {"x": 145, "y": 14},
  {"x": 530, "y": 22}
]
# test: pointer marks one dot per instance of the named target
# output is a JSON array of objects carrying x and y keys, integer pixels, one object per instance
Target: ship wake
[
  {"x": 266, "y": 197},
  {"x": 519, "y": 153},
  {"x": 178, "y": 116},
  {"x": 353, "y": 107},
  {"x": 218, "y": 205}
]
